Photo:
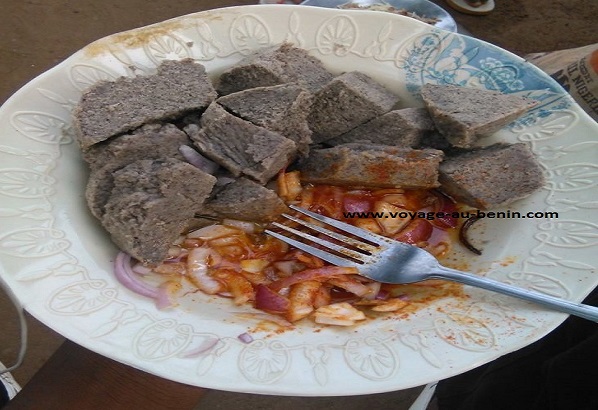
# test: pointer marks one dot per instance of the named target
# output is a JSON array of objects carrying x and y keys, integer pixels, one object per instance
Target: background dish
[
  {"x": 422, "y": 8},
  {"x": 58, "y": 260}
]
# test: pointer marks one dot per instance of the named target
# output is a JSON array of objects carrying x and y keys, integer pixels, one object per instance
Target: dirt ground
[
  {"x": 36, "y": 35},
  {"x": 530, "y": 26}
]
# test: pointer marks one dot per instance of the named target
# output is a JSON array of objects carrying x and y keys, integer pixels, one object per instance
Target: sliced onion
[
  {"x": 390, "y": 225},
  {"x": 356, "y": 204},
  {"x": 164, "y": 295},
  {"x": 212, "y": 232},
  {"x": 399, "y": 200},
  {"x": 340, "y": 314},
  {"x": 447, "y": 207},
  {"x": 351, "y": 285},
  {"x": 391, "y": 305},
  {"x": 329, "y": 201},
  {"x": 233, "y": 251},
  {"x": 245, "y": 337},
  {"x": 254, "y": 265},
  {"x": 197, "y": 160},
  {"x": 287, "y": 268},
  {"x": 368, "y": 224},
  {"x": 313, "y": 274},
  {"x": 417, "y": 231},
  {"x": 266, "y": 317},
  {"x": 171, "y": 269},
  {"x": 245, "y": 226},
  {"x": 375, "y": 290},
  {"x": 240, "y": 288},
  {"x": 204, "y": 347},
  {"x": 224, "y": 241},
  {"x": 269, "y": 300},
  {"x": 301, "y": 298},
  {"x": 174, "y": 252},
  {"x": 288, "y": 185},
  {"x": 197, "y": 271},
  {"x": 322, "y": 297},
  {"x": 383, "y": 295},
  {"x": 139, "y": 269},
  {"x": 125, "y": 275}
]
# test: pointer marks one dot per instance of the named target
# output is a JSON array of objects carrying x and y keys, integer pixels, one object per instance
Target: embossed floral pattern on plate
[{"x": 58, "y": 260}]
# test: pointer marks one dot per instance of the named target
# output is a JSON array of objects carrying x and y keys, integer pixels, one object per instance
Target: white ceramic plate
[{"x": 58, "y": 260}]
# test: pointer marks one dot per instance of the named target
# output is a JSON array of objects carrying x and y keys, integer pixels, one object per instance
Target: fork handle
[{"x": 561, "y": 305}]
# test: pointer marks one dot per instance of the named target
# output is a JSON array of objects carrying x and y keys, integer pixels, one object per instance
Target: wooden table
[{"x": 76, "y": 378}]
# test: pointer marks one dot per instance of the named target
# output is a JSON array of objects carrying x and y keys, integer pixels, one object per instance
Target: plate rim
[{"x": 266, "y": 388}]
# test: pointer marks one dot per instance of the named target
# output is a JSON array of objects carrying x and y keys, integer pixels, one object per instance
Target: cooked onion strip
[
  {"x": 212, "y": 232},
  {"x": 289, "y": 185},
  {"x": 268, "y": 300},
  {"x": 197, "y": 271},
  {"x": 339, "y": 314},
  {"x": 313, "y": 274}
]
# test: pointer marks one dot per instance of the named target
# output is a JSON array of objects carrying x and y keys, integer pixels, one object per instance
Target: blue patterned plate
[{"x": 422, "y": 8}]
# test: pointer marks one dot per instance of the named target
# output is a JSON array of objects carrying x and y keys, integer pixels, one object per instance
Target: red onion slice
[
  {"x": 204, "y": 347},
  {"x": 325, "y": 272},
  {"x": 415, "y": 232},
  {"x": 269, "y": 300},
  {"x": 129, "y": 279},
  {"x": 245, "y": 338},
  {"x": 197, "y": 160}
]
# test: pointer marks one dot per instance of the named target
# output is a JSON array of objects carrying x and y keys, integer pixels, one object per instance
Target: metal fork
[{"x": 389, "y": 261}]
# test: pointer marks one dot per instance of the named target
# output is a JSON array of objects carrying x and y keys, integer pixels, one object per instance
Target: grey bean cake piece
[
  {"x": 463, "y": 115},
  {"x": 246, "y": 200},
  {"x": 151, "y": 141},
  {"x": 372, "y": 165},
  {"x": 272, "y": 66},
  {"x": 151, "y": 204},
  {"x": 282, "y": 108},
  {"x": 348, "y": 101},
  {"x": 110, "y": 108},
  {"x": 492, "y": 176},
  {"x": 240, "y": 146},
  {"x": 406, "y": 127}
]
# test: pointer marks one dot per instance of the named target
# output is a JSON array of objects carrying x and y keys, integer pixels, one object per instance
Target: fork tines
[{"x": 361, "y": 249}]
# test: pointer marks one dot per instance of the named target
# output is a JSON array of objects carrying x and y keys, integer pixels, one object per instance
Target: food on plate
[
  {"x": 389, "y": 9},
  {"x": 272, "y": 66},
  {"x": 187, "y": 186},
  {"x": 347, "y": 101},
  {"x": 235, "y": 260},
  {"x": 492, "y": 176},
  {"x": 151, "y": 141},
  {"x": 281, "y": 108},
  {"x": 364, "y": 164},
  {"x": 464, "y": 114},
  {"x": 151, "y": 204},
  {"x": 154, "y": 140},
  {"x": 407, "y": 127},
  {"x": 239, "y": 146},
  {"x": 246, "y": 200},
  {"x": 110, "y": 108}
]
